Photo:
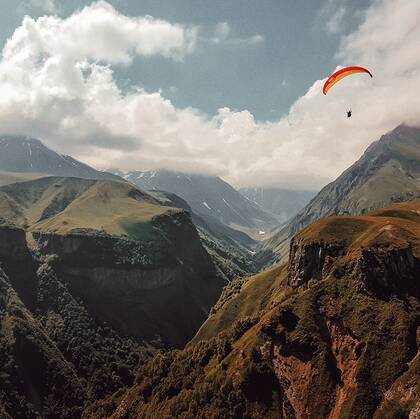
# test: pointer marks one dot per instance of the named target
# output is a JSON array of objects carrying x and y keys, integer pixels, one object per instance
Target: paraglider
[{"x": 341, "y": 74}]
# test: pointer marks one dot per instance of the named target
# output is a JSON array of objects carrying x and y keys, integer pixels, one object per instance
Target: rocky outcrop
[
  {"x": 99, "y": 277},
  {"x": 13, "y": 244},
  {"x": 333, "y": 373},
  {"x": 385, "y": 271},
  {"x": 340, "y": 340},
  {"x": 389, "y": 271},
  {"x": 156, "y": 289},
  {"x": 311, "y": 260},
  {"x": 17, "y": 263}
]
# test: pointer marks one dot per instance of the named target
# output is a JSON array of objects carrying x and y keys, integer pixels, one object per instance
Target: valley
[
  {"x": 333, "y": 335},
  {"x": 125, "y": 301},
  {"x": 209, "y": 210}
]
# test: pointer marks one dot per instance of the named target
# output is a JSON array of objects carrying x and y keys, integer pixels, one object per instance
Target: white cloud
[
  {"x": 334, "y": 24},
  {"x": 335, "y": 15},
  {"x": 223, "y": 35},
  {"x": 57, "y": 86},
  {"x": 98, "y": 32}
]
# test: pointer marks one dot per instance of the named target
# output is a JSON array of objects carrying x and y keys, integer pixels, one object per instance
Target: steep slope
[
  {"x": 335, "y": 335},
  {"x": 115, "y": 242},
  {"x": 56, "y": 356},
  {"x": 208, "y": 196},
  {"x": 282, "y": 203},
  {"x": 29, "y": 155},
  {"x": 95, "y": 276},
  {"x": 388, "y": 172},
  {"x": 228, "y": 248}
]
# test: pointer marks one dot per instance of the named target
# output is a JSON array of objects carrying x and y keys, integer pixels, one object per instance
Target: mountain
[
  {"x": 29, "y": 155},
  {"x": 332, "y": 334},
  {"x": 208, "y": 196},
  {"x": 388, "y": 172},
  {"x": 282, "y": 203},
  {"x": 29, "y": 159},
  {"x": 228, "y": 248},
  {"x": 95, "y": 276}
]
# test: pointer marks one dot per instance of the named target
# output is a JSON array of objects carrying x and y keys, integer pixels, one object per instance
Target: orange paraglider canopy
[{"x": 340, "y": 74}]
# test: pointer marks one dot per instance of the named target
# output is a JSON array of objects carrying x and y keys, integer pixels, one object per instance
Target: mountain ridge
[
  {"x": 30, "y": 155},
  {"x": 387, "y": 172},
  {"x": 208, "y": 196},
  {"x": 333, "y": 335}
]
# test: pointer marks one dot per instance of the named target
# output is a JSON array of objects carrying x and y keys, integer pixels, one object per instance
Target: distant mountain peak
[
  {"x": 208, "y": 196},
  {"x": 20, "y": 154}
]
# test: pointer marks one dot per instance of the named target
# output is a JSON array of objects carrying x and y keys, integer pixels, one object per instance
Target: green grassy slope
[
  {"x": 340, "y": 345},
  {"x": 62, "y": 205},
  {"x": 254, "y": 296},
  {"x": 111, "y": 274}
]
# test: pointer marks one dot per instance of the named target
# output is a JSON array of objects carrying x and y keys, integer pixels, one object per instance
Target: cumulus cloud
[
  {"x": 98, "y": 32},
  {"x": 61, "y": 88}
]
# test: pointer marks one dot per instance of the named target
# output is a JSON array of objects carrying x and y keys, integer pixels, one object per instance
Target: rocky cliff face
[
  {"x": 386, "y": 268},
  {"x": 90, "y": 289},
  {"x": 161, "y": 289},
  {"x": 311, "y": 260},
  {"x": 336, "y": 337}
]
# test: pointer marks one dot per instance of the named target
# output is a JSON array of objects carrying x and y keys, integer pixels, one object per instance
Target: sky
[{"x": 229, "y": 87}]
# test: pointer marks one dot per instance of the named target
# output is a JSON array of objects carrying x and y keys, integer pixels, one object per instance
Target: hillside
[
  {"x": 209, "y": 197},
  {"x": 333, "y": 335},
  {"x": 229, "y": 249},
  {"x": 6, "y": 178},
  {"x": 96, "y": 275},
  {"x": 282, "y": 203},
  {"x": 30, "y": 155},
  {"x": 388, "y": 172}
]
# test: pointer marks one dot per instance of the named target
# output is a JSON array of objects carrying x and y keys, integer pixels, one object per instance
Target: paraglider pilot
[{"x": 349, "y": 112}]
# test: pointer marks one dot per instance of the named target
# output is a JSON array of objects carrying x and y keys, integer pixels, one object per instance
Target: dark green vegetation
[
  {"x": 55, "y": 355},
  {"x": 388, "y": 172},
  {"x": 334, "y": 335},
  {"x": 95, "y": 276}
]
